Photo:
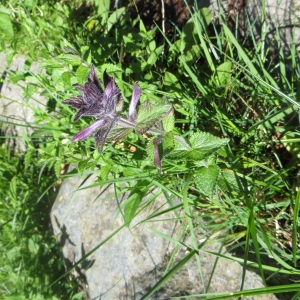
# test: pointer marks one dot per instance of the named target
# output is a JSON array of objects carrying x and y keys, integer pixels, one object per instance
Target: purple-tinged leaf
[
  {"x": 93, "y": 78},
  {"x": 110, "y": 97},
  {"x": 136, "y": 94},
  {"x": 102, "y": 133},
  {"x": 106, "y": 79},
  {"x": 157, "y": 160},
  {"x": 86, "y": 132},
  {"x": 149, "y": 114},
  {"x": 75, "y": 102},
  {"x": 121, "y": 129}
]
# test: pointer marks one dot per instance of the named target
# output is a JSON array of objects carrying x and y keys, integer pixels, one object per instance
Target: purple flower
[
  {"x": 106, "y": 105},
  {"x": 93, "y": 100}
]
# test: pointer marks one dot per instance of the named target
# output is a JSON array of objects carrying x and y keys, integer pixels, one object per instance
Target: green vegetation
[{"x": 231, "y": 149}]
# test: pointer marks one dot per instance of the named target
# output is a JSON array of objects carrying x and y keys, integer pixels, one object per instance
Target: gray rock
[
  {"x": 134, "y": 259},
  {"x": 16, "y": 113}
]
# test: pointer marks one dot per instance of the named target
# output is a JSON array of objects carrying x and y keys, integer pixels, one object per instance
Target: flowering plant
[{"x": 106, "y": 105}]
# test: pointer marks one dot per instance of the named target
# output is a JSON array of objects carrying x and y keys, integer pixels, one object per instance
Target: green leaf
[
  {"x": 71, "y": 59},
  {"x": 104, "y": 171},
  {"x": 187, "y": 36},
  {"x": 103, "y": 9},
  {"x": 33, "y": 247},
  {"x": 28, "y": 157},
  {"x": 13, "y": 188},
  {"x": 229, "y": 181},
  {"x": 206, "y": 179},
  {"x": 292, "y": 145},
  {"x": 152, "y": 59},
  {"x": 66, "y": 78},
  {"x": 114, "y": 17},
  {"x": 193, "y": 54},
  {"x": 152, "y": 46},
  {"x": 83, "y": 165},
  {"x": 223, "y": 73},
  {"x": 168, "y": 144},
  {"x": 77, "y": 296},
  {"x": 168, "y": 122},
  {"x": 133, "y": 202},
  {"x": 142, "y": 27},
  {"x": 206, "y": 14},
  {"x": 170, "y": 79},
  {"x": 204, "y": 144},
  {"x": 110, "y": 68},
  {"x": 6, "y": 26},
  {"x": 149, "y": 114},
  {"x": 57, "y": 168},
  {"x": 181, "y": 147},
  {"x": 82, "y": 73}
]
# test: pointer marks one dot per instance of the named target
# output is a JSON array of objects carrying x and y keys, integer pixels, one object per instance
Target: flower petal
[
  {"x": 136, "y": 94},
  {"x": 106, "y": 79},
  {"x": 110, "y": 97},
  {"x": 75, "y": 102},
  {"x": 86, "y": 132},
  {"x": 94, "y": 79}
]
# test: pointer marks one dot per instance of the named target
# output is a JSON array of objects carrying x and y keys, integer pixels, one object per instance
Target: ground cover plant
[{"x": 229, "y": 147}]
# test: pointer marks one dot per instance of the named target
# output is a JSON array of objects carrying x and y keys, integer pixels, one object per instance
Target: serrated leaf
[
  {"x": 57, "y": 168},
  {"x": 206, "y": 179},
  {"x": 68, "y": 47},
  {"x": 150, "y": 150},
  {"x": 168, "y": 143},
  {"x": 51, "y": 64},
  {"x": 149, "y": 114},
  {"x": 117, "y": 133},
  {"x": 104, "y": 171},
  {"x": 84, "y": 165},
  {"x": 204, "y": 144},
  {"x": 168, "y": 122},
  {"x": 103, "y": 9},
  {"x": 41, "y": 132},
  {"x": 181, "y": 147}
]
